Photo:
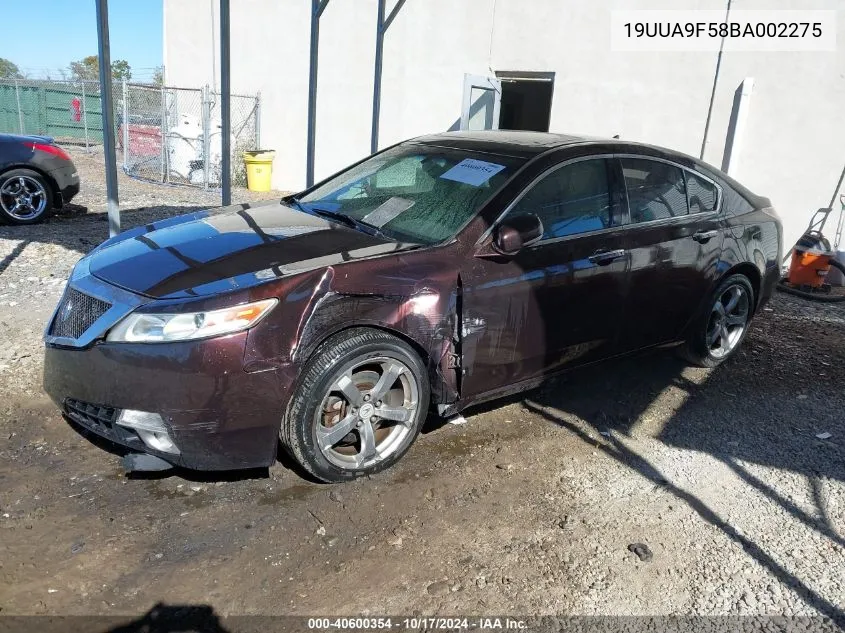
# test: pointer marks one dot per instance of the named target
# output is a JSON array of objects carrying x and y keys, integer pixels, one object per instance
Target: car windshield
[{"x": 414, "y": 192}]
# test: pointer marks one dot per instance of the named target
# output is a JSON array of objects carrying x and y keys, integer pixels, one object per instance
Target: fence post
[
  {"x": 258, "y": 120},
  {"x": 164, "y": 170},
  {"x": 206, "y": 131},
  {"x": 85, "y": 116},
  {"x": 125, "y": 124},
  {"x": 20, "y": 112}
]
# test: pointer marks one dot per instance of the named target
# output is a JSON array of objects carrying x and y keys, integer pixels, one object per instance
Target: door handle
[
  {"x": 603, "y": 258},
  {"x": 703, "y": 237}
]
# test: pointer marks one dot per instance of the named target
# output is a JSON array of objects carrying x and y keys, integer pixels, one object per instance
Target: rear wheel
[
  {"x": 361, "y": 402},
  {"x": 718, "y": 332},
  {"x": 25, "y": 197}
]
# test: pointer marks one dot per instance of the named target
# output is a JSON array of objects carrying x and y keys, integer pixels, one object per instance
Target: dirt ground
[{"x": 734, "y": 479}]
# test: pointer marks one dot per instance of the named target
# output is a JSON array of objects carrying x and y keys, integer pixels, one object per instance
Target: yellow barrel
[{"x": 259, "y": 169}]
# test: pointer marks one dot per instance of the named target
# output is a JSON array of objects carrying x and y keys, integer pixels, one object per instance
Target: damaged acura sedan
[{"x": 439, "y": 273}]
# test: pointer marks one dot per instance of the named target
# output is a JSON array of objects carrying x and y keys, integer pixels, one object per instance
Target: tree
[
  {"x": 9, "y": 70},
  {"x": 88, "y": 69},
  {"x": 158, "y": 76},
  {"x": 120, "y": 69}
]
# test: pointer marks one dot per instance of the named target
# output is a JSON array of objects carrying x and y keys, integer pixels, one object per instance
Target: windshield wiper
[
  {"x": 295, "y": 202},
  {"x": 349, "y": 221},
  {"x": 338, "y": 217}
]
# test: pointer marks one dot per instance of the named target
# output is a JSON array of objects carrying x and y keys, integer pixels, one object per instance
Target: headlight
[{"x": 163, "y": 328}]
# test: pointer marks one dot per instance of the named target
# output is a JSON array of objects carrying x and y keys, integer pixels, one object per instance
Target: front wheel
[
  {"x": 360, "y": 404},
  {"x": 718, "y": 333}
]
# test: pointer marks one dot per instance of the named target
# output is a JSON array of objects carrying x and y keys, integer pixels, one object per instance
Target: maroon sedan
[{"x": 439, "y": 273}]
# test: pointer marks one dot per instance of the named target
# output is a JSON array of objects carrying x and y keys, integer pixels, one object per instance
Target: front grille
[
  {"x": 101, "y": 420},
  {"x": 91, "y": 415},
  {"x": 77, "y": 312}
]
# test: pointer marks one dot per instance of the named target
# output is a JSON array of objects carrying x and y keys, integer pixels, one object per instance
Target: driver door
[{"x": 557, "y": 303}]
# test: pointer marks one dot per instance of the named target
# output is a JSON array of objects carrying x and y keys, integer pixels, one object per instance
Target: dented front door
[{"x": 551, "y": 306}]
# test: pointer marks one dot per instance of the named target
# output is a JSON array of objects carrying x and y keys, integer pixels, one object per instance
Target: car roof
[
  {"x": 527, "y": 145},
  {"x": 519, "y": 143}
]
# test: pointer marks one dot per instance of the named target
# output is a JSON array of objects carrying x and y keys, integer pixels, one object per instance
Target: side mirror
[{"x": 514, "y": 234}]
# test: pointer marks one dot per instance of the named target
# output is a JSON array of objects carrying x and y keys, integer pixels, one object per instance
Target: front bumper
[{"x": 219, "y": 416}]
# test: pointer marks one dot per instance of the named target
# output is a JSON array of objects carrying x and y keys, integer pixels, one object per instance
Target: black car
[{"x": 36, "y": 178}]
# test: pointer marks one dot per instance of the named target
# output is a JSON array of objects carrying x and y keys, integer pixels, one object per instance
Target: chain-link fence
[
  {"x": 69, "y": 111},
  {"x": 163, "y": 133}
]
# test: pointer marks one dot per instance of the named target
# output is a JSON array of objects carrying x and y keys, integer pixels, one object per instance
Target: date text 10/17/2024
[{"x": 416, "y": 624}]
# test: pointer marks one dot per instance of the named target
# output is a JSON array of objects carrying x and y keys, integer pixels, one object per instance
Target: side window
[
  {"x": 703, "y": 194},
  {"x": 655, "y": 190},
  {"x": 573, "y": 199}
]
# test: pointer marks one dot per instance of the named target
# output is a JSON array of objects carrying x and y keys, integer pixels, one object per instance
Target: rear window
[
  {"x": 703, "y": 195},
  {"x": 656, "y": 190}
]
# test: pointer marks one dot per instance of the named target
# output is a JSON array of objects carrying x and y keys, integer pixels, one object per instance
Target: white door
[{"x": 482, "y": 98}]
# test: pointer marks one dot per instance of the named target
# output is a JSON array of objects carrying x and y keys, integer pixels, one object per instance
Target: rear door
[{"x": 675, "y": 242}]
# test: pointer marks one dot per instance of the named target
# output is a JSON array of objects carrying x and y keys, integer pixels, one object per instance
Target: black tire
[
  {"x": 350, "y": 348},
  {"x": 696, "y": 349},
  {"x": 31, "y": 178}
]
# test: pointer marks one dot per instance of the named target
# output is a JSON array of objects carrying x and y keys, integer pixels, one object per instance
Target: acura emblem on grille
[{"x": 67, "y": 310}]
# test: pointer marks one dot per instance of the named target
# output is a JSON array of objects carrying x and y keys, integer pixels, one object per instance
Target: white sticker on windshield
[
  {"x": 387, "y": 210},
  {"x": 473, "y": 172}
]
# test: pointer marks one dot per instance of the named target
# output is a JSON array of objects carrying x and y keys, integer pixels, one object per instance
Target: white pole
[
  {"x": 206, "y": 132},
  {"x": 735, "y": 141},
  {"x": 18, "y": 99},
  {"x": 85, "y": 116},
  {"x": 125, "y": 124},
  {"x": 163, "y": 127}
]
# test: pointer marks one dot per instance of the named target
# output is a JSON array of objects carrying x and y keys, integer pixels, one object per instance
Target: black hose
[{"x": 813, "y": 296}]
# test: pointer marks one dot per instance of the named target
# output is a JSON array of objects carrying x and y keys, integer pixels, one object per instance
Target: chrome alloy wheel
[
  {"x": 23, "y": 197},
  {"x": 728, "y": 320},
  {"x": 368, "y": 413}
]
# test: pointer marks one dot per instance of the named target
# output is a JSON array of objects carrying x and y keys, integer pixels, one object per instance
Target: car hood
[{"x": 227, "y": 249}]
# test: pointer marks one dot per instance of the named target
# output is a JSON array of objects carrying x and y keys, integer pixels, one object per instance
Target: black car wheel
[
  {"x": 25, "y": 197},
  {"x": 360, "y": 404},
  {"x": 722, "y": 327}
]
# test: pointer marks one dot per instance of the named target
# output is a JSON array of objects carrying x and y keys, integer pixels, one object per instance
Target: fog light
[{"x": 150, "y": 428}]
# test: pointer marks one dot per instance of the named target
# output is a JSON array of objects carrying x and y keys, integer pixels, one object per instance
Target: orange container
[
  {"x": 810, "y": 261},
  {"x": 808, "y": 269}
]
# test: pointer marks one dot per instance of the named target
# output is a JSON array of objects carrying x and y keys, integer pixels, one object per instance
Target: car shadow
[{"x": 727, "y": 413}]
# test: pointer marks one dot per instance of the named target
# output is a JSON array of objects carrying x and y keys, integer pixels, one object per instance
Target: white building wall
[{"x": 795, "y": 135}]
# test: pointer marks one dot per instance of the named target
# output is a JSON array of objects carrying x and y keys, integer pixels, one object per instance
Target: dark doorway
[{"x": 526, "y": 101}]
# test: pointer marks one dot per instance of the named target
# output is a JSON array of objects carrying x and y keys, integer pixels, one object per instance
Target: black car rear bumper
[{"x": 67, "y": 183}]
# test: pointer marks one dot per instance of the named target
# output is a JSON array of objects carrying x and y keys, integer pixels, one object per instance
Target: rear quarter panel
[{"x": 754, "y": 237}]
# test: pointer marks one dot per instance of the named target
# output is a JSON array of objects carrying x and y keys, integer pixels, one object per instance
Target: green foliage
[
  {"x": 9, "y": 70},
  {"x": 88, "y": 69},
  {"x": 120, "y": 69}
]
